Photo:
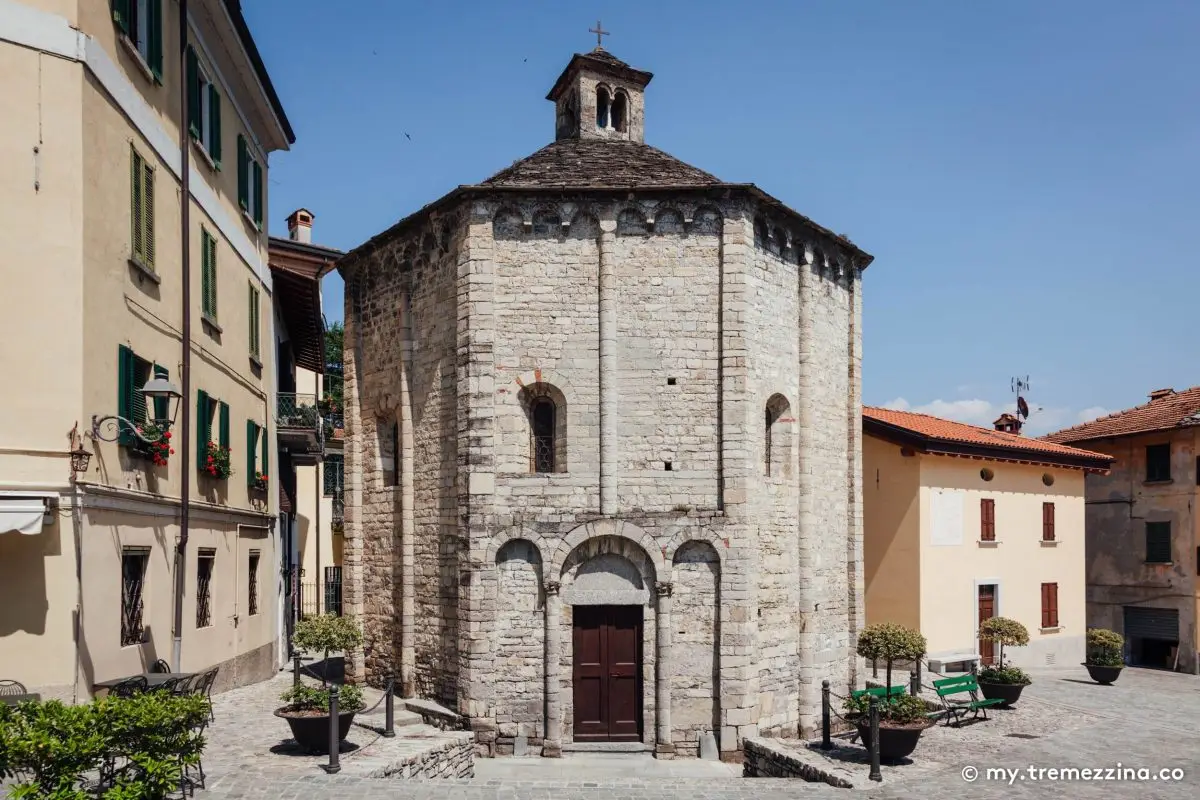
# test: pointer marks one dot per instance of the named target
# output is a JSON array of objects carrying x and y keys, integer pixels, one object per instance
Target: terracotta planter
[
  {"x": 1103, "y": 675},
  {"x": 312, "y": 732},
  {"x": 1008, "y": 692},
  {"x": 894, "y": 743}
]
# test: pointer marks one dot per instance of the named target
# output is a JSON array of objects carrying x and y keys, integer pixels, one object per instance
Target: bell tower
[{"x": 599, "y": 96}]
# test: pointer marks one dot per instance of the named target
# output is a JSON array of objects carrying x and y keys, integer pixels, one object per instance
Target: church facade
[{"x": 603, "y": 459}]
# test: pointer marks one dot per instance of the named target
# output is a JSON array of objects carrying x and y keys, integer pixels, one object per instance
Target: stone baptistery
[{"x": 603, "y": 460}]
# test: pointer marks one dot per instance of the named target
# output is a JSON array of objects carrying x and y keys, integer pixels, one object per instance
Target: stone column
[
  {"x": 609, "y": 408},
  {"x": 663, "y": 747},
  {"x": 552, "y": 743},
  {"x": 807, "y": 486},
  {"x": 857, "y": 614}
]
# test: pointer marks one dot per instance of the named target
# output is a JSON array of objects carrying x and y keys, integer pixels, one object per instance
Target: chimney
[
  {"x": 300, "y": 226},
  {"x": 1007, "y": 423},
  {"x": 1159, "y": 394}
]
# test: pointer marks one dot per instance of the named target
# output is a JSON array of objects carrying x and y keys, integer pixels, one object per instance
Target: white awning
[{"x": 21, "y": 514}]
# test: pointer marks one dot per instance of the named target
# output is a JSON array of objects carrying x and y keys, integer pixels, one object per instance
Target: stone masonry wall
[
  {"x": 695, "y": 672},
  {"x": 519, "y": 644},
  {"x": 773, "y": 369}
]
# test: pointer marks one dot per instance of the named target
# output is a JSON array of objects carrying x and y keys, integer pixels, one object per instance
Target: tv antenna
[{"x": 1020, "y": 386}]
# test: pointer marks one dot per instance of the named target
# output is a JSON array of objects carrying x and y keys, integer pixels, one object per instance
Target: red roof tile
[
  {"x": 1006, "y": 445},
  {"x": 1173, "y": 410}
]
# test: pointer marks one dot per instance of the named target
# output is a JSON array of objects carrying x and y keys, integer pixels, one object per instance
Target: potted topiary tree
[
  {"x": 1002, "y": 681},
  {"x": 901, "y": 718},
  {"x": 1105, "y": 655},
  {"x": 307, "y": 709}
]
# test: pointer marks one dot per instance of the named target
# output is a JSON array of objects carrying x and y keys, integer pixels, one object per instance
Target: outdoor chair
[
  {"x": 160, "y": 666},
  {"x": 180, "y": 685},
  {"x": 10, "y": 687},
  {"x": 205, "y": 688},
  {"x": 129, "y": 687}
]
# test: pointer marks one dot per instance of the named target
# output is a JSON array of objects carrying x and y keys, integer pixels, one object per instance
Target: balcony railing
[{"x": 297, "y": 411}]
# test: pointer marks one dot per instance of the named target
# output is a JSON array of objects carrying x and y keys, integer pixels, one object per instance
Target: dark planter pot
[
  {"x": 312, "y": 733},
  {"x": 1008, "y": 692},
  {"x": 1103, "y": 675},
  {"x": 894, "y": 743}
]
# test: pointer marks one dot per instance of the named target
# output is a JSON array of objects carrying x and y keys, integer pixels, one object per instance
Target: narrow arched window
[
  {"x": 542, "y": 416},
  {"x": 620, "y": 111},
  {"x": 602, "y": 107},
  {"x": 767, "y": 449}
]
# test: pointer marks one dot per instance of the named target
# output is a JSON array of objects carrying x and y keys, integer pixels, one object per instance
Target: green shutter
[
  {"x": 266, "y": 461},
  {"x": 162, "y": 405},
  {"x": 203, "y": 426},
  {"x": 205, "y": 279},
  {"x": 193, "y": 93},
  {"x": 243, "y": 173},
  {"x": 214, "y": 122},
  {"x": 255, "y": 322},
  {"x": 120, "y": 15},
  {"x": 224, "y": 421},
  {"x": 154, "y": 8},
  {"x": 136, "y": 205},
  {"x": 125, "y": 391},
  {"x": 148, "y": 214},
  {"x": 258, "y": 194},
  {"x": 251, "y": 445}
]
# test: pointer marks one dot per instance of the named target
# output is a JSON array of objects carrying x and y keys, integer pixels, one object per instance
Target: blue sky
[{"x": 1025, "y": 173}]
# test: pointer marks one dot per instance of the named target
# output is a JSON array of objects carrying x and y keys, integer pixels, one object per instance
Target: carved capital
[
  {"x": 664, "y": 588},
  {"x": 552, "y": 587}
]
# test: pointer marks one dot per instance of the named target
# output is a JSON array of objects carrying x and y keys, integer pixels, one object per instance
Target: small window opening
[
  {"x": 602, "y": 108},
  {"x": 204, "y": 572},
  {"x": 620, "y": 112},
  {"x": 134, "y": 561},
  {"x": 543, "y": 413},
  {"x": 670, "y": 381},
  {"x": 668, "y": 466}
]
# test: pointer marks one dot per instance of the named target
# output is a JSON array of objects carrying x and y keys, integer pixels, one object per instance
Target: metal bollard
[
  {"x": 826, "y": 743},
  {"x": 295, "y": 669},
  {"x": 914, "y": 683},
  {"x": 389, "y": 707},
  {"x": 875, "y": 739},
  {"x": 335, "y": 739}
]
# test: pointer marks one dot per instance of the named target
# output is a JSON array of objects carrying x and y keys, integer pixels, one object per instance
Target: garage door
[{"x": 1152, "y": 623}]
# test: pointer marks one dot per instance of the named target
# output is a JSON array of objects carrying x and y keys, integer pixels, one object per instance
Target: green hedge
[{"x": 54, "y": 750}]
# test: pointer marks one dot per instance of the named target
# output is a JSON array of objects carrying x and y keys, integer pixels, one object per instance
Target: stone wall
[
  {"x": 519, "y": 644},
  {"x": 765, "y": 758},
  {"x": 696, "y": 664},
  {"x": 453, "y": 758}
]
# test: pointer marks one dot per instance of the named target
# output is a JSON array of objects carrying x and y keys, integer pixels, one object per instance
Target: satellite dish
[{"x": 1022, "y": 407}]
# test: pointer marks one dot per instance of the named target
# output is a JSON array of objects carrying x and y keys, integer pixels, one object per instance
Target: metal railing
[
  {"x": 339, "y": 512},
  {"x": 322, "y": 597},
  {"x": 297, "y": 411}
]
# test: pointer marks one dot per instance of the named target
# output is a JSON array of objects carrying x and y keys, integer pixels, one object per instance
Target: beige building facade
[
  {"x": 964, "y": 523},
  {"x": 1143, "y": 554},
  {"x": 92, "y": 273}
]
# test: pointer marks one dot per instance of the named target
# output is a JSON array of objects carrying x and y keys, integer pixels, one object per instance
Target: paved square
[{"x": 1147, "y": 719}]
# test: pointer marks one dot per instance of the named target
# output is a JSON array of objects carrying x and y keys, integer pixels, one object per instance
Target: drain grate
[{"x": 1022, "y": 736}]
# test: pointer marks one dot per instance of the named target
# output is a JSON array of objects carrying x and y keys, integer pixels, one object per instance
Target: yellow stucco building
[
  {"x": 962, "y": 523},
  {"x": 93, "y": 301}
]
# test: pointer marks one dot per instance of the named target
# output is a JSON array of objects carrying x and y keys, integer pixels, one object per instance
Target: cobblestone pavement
[{"x": 1147, "y": 719}]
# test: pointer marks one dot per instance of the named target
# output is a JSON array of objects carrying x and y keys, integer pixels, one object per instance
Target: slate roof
[
  {"x": 600, "y": 164},
  {"x": 937, "y": 435},
  {"x": 1174, "y": 410}
]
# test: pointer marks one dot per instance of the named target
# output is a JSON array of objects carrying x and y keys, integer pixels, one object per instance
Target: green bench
[
  {"x": 882, "y": 692},
  {"x": 956, "y": 709}
]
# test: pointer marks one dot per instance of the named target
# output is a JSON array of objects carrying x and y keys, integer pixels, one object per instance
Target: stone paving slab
[
  {"x": 248, "y": 743},
  {"x": 1147, "y": 719}
]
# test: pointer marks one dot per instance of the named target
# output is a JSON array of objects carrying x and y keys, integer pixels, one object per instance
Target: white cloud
[{"x": 983, "y": 413}]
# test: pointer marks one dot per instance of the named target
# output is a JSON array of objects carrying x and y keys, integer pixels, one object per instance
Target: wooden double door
[{"x": 607, "y": 673}]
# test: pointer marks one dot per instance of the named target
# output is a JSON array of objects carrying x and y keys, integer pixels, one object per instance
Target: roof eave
[
  {"x": 347, "y": 262},
  {"x": 233, "y": 11},
  {"x": 947, "y": 447},
  {"x": 641, "y": 77}
]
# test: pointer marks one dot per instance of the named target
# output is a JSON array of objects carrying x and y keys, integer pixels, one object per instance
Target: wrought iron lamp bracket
[{"x": 113, "y": 423}]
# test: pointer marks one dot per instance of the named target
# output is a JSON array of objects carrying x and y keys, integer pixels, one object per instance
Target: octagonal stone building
[{"x": 603, "y": 446}]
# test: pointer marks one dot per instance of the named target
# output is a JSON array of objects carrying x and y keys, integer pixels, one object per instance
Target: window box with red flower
[
  {"x": 159, "y": 449},
  {"x": 217, "y": 463},
  {"x": 259, "y": 482}
]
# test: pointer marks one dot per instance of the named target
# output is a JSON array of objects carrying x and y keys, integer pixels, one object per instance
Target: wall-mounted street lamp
[{"x": 155, "y": 389}]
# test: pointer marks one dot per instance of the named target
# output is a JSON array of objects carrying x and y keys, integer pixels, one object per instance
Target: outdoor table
[
  {"x": 153, "y": 679},
  {"x": 13, "y": 699}
]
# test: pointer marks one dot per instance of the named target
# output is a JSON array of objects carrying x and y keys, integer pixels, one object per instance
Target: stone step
[
  {"x": 607, "y": 747},
  {"x": 404, "y": 722}
]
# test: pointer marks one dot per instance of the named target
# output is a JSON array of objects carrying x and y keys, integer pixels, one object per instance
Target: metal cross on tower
[{"x": 599, "y": 31}]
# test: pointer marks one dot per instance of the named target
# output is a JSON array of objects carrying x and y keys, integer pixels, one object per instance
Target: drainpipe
[
  {"x": 317, "y": 528},
  {"x": 185, "y": 449}
]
